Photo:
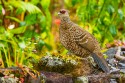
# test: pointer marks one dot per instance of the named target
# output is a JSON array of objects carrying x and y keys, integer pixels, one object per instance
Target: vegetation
[{"x": 29, "y": 29}]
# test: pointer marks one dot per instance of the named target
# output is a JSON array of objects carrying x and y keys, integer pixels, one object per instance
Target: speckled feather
[{"x": 80, "y": 42}]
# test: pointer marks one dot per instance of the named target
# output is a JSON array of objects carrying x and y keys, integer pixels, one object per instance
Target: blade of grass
[{"x": 6, "y": 57}]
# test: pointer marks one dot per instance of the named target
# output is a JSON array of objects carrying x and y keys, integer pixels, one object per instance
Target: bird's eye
[{"x": 62, "y": 11}]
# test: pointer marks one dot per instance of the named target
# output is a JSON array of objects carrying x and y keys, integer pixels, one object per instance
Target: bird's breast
[{"x": 64, "y": 37}]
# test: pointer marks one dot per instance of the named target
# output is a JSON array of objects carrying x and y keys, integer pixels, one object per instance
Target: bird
[{"x": 79, "y": 41}]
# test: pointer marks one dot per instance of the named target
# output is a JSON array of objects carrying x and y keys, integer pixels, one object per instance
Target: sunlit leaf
[
  {"x": 68, "y": 3},
  {"x": 45, "y": 3},
  {"x": 22, "y": 44},
  {"x": 2, "y": 37},
  {"x": 18, "y": 30},
  {"x": 1, "y": 9},
  {"x": 2, "y": 29},
  {"x": 8, "y": 34},
  {"x": 81, "y": 13},
  {"x": 106, "y": 21},
  {"x": 25, "y": 6},
  {"x": 35, "y": 2},
  {"x": 19, "y": 11},
  {"x": 121, "y": 15},
  {"x": 13, "y": 18}
]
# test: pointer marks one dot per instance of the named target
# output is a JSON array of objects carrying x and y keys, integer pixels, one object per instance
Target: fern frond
[{"x": 25, "y": 6}]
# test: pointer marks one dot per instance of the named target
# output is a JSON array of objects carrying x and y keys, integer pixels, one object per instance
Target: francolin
[{"x": 80, "y": 42}]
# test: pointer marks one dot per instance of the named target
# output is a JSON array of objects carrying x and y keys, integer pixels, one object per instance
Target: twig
[{"x": 10, "y": 69}]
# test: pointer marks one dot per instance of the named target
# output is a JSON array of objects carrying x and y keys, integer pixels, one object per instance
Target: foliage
[
  {"x": 20, "y": 28},
  {"x": 15, "y": 50}
]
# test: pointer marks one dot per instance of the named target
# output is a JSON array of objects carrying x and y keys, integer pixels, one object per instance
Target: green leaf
[
  {"x": 35, "y": 2},
  {"x": 113, "y": 30},
  {"x": 2, "y": 37},
  {"x": 76, "y": 1},
  {"x": 0, "y": 9},
  {"x": 13, "y": 18},
  {"x": 81, "y": 13},
  {"x": 106, "y": 21},
  {"x": 31, "y": 19},
  {"x": 2, "y": 29},
  {"x": 28, "y": 33},
  {"x": 45, "y": 4},
  {"x": 19, "y": 11},
  {"x": 22, "y": 45},
  {"x": 121, "y": 15},
  {"x": 68, "y": 3},
  {"x": 40, "y": 44},
  {"x": 25, "y": 6},
  {"x": 110, "y": 9},
  {"x": 42, "y": 22},
  {"x": 8, "y": 34},
  {"x": 18, "y": 30}
]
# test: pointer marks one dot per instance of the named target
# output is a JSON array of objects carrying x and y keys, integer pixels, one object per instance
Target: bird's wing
[
  {"x": 83, "y": 39},
  {"x": 87, "y": 41}
]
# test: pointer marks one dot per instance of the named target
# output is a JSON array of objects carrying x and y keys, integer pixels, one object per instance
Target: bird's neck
[
  {"x": 65, "y": 19},
  {"x": 65, "y": 23}
]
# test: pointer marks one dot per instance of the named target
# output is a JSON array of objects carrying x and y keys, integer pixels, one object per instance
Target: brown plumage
[{"x": 79, "y": 41}]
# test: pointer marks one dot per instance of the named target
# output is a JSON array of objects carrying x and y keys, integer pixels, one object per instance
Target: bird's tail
[{"x": 101, "y": 62}]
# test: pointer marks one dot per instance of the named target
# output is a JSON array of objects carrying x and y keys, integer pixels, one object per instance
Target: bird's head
[{"x": 63, "y": 13}]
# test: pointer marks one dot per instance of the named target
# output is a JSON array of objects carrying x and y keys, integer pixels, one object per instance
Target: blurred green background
[{"x": 29, "y": 28}]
